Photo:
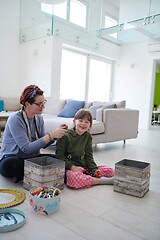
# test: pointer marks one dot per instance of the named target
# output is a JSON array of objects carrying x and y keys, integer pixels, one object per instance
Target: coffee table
[{"x": 4, "y": 116}]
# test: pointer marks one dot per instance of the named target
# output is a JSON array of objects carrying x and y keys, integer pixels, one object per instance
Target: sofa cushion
[
  {"x": 93, "y": 110},
  {"x": 120, "y": 104},
  {"x": 11, "y": 103},
  {"x": 52, "y": 122},
  {"x": 87, "y": 104},
  {"x": 97, "y": 127},
  {"x": 109, "y": 106},
  {"x": 97, "y": 110},
  {"x": 71, "y": 108},
  {"x": 53, "y": 106}
]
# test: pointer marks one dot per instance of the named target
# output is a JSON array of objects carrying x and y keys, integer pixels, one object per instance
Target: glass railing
[
  {"x": 35, "y": 32},
  {"x": 35, "y": 24},
  {"x": 74, "y": 34},
  {"x": 143, "y": 28}
]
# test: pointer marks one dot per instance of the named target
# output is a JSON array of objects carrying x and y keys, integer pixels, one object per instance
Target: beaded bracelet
[{"x": 49, "y": 135}]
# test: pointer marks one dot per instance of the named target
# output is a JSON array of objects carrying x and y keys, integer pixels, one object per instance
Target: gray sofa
[{"x": 109, "y": 125}]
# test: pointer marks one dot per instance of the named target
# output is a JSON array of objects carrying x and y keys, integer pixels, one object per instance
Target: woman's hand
[
  {"x": 77, "y": 169},
  {"x": 65, "y": 126},
  {"x": 58, "y": 133}
]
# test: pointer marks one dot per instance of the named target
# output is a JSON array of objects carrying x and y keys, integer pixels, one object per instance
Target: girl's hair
[
  {"x": 82, "y": 113},
  {"x": 29, "y": 94}
]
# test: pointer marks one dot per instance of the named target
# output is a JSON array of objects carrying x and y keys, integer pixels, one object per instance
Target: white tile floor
[{"x": 99, "y": 213}]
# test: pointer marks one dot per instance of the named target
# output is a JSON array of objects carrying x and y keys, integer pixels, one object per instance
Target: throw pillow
[
  {"x": 121, "y": 104},
  {"x": 93, "y": 110},
  {"x": 54, "y": 106},
  {"x": 109, "y": 106},
  {"x": 1, "y": 105},
  {"x": 71, "y": 108}
]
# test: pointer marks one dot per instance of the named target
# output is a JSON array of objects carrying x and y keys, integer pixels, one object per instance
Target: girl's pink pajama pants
[{"x": 81, "y": 180}]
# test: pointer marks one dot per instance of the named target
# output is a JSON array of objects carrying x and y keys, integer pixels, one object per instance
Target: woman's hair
[
  {"x": 29, "y": 94},
  {"x": 82, "y": 113}
]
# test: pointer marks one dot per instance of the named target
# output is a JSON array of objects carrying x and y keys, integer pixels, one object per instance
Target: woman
[{"x": 24, "y": 134}]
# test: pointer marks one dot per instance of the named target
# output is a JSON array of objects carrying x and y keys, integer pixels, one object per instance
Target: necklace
[{"x": 24, "y": 116}]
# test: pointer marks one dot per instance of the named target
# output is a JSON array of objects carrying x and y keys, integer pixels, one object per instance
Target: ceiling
[{"x": 115, "y": 3}]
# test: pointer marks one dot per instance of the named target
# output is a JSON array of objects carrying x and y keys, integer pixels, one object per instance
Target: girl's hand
[
  {"x": 97, "y": 173},
  {"x": 77, "y": 169}
]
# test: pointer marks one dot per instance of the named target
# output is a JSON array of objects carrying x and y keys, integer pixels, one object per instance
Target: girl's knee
[
  {"x": 78, "y": 180},
  {"x": 106, "y": 171}
]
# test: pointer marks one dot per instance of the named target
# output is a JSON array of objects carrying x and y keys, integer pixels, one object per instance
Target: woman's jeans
[{"x": 12, "y": 166}]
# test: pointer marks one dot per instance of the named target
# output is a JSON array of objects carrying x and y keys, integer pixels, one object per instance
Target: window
[
  {"x": 110, "y": 22},
  {"x": 84, "y": 77},
  {"x": 73, "y": 11},
  {"x": 60, "y": 10},
  {"x": 78, "y": 13},
  {"x": 99, "y": 80},
  {"x": 73, "y": 74},
  {"x": 47, "y": 8}
]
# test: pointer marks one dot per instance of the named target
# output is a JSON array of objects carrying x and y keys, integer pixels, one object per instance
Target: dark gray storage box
[
  {"x": 132, "y": 177},
  {"x": 43, "y": 170}
]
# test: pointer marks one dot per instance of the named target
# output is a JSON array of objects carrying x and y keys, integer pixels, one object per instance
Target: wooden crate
[
  {"x": 132, "y": 177},
  {"x": 43, "y": 170}
]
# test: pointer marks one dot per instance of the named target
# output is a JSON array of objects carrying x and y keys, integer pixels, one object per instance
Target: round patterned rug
[{"x": 9, "y": 197}]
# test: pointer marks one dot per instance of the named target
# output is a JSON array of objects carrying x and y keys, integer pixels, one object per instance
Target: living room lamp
[{"x": 53, "y": 2}]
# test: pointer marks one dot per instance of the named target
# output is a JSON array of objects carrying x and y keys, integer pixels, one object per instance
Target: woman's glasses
[{"x": 41, "y": 104}]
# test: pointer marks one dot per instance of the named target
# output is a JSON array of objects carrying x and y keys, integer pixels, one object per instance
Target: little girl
[{"x": 75, "y": 148}]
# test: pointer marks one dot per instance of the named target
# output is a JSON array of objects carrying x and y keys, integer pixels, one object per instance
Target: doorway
[{"x": 155, "y": 116}]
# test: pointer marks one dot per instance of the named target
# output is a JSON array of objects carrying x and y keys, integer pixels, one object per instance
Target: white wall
[
  {"x": 9, "y": 48},
  {"x": 134, "y": 78},
  {"x": 36, "y": 63}
]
